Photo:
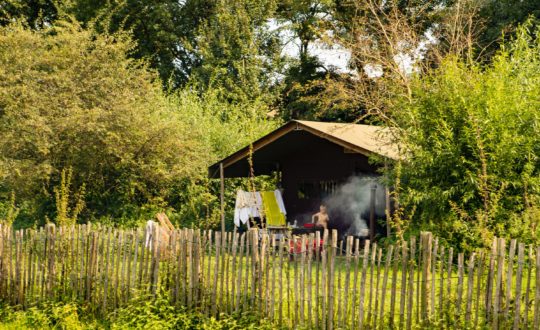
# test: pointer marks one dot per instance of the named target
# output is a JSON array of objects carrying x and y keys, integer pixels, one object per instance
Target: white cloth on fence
[
  {"x": 248, "y": 205},
  {"x": 149, "y": 232}
]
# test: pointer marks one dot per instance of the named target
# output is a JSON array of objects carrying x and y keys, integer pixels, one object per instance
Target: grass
[{"x": 285, "y": 293}]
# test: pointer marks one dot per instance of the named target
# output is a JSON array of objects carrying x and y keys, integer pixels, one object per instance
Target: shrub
[{"x": 472, "y": 134}]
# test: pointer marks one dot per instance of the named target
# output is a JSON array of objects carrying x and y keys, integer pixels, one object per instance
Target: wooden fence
[{"x": 308, "y": 281}]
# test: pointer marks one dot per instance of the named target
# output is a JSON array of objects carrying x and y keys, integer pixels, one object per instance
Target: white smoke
[{"x": 351, "y": 203}]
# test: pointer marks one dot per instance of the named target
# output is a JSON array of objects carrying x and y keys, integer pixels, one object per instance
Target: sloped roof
[
  {"x": 363, "y": 139},
  {"x": 368, "y": 138}
]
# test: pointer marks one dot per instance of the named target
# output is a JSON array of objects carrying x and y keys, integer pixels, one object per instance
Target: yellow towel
[{"x": 274, "y": 217}]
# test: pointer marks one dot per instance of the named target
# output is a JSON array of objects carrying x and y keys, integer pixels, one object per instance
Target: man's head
[{"x": 322, "y": 208}]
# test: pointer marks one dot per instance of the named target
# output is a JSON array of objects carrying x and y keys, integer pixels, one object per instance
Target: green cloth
[{"x": 273, "y": 214}]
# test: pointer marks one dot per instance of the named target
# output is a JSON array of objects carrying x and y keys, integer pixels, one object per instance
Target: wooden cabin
[{"x": 312, "y": 160}]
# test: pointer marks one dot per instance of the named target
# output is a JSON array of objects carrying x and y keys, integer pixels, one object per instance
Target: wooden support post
[
  {"x": 388, "y": 211},
  {"x": 222, "y": 197},
  {"x": 372, "y": 213}
]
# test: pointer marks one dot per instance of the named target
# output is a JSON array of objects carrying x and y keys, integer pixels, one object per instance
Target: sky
[
  {"x": 338, "y": 57},
  {"x": 330, "y": 56}
]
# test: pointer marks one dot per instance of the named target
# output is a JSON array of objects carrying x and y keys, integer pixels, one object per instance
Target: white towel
[{"x": 248, "y": 205}]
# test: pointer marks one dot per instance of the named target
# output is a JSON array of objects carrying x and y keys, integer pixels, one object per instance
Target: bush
[
  {"x": 472, "y": 134},
  {"x": 142, "y": 313},
  {"x": 72, "y": 99}
]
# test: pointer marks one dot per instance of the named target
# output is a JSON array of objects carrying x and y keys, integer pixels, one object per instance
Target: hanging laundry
[
  {"x": 266, "y": 204},
  {"x": 248, "y": 205},
  {"x": 279, "y": 200},
  {"x": 272, "y": 210}
]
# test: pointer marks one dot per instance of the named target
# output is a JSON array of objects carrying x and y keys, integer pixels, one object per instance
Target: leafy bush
[
  {"x": 142, "y": 313},
  {"x": 473, "y": 137},
  {"x": 72, "y": 98},
  {"x": 159, "y": 313},
  {"x": 47, "y": 316}
]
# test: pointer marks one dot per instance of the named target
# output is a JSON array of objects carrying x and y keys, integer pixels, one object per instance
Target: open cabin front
[{"x": 320, "y": 164}]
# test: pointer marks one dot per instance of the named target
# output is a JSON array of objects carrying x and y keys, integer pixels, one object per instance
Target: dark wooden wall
[{"x": 321, "y": 165}]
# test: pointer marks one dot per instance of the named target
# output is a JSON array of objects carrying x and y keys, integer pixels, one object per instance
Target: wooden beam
[
  {"x": 388, "y": 211},
  {"x": 222, "y": 178},
  {"x": 372, "y": 213}
]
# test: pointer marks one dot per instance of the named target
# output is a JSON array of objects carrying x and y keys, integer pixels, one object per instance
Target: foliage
[
  {"x": 471, "y": 134},
  {"x": 47, "y": 315},
  {"x": 163, "y": 30},
  {"x": 223, "y": 128},
  {"x": 66, "y": 214},
  {"x": 502, "y": 17},
  {"x": 159, "y": 313},
  {"x": 328, "y": 98},
  {"x": 311, "y": 89},
  {"x": 239, "y": 53},
  {"x": 35, "y": 13},
  {"x": 71, "y": 98},
  {"x": 147, "y": 313},
  {"x": 8, "y": 211}
]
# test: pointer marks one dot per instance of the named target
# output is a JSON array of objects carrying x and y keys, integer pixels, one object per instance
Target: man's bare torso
[{"x": 322, "y": 219}]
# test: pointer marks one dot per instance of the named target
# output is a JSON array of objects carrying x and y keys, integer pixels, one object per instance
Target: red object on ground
[
  {"x": 297, "y": 248},
  {"x": 309, "y": 225}
]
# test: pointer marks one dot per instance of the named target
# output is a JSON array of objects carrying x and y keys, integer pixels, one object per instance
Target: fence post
[
  {"x": 517, "y": 314},
  {"x": 331, "y": 262},
  {"x": 459, "y": 293},
  {"x": 498, "y": 285},
  {"x": 537, "y": 295},
  {"x": 489, "y": 285},
  {"x": 377, "y": 282},
  {"x": 51, "y": 230},
  {"x": 385, "y": 282},
  {"x": 479, "y": 281},
  {"x": 365, "y": 261},
  {"x": 348, "y": 252},
  {"x": 324, "y": 276},
  {"x": 217, "y": 241},
  {"x": 355, "y": 280},
  {"x": 433, "y": 278},
  {"x": 254, "y": 265},
  {"x": 510, "y": 269},
  {"x": 404, "y": 265},
  {"x": 426, "y": 241},
  {"x": 410, "y": 304},
  {"x": 470, "y": 285}
]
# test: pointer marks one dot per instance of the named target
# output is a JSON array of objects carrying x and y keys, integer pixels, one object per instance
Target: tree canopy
[{"x": 71, "y": 98}]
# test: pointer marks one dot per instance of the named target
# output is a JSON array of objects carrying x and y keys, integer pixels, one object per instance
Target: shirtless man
[{"x": 322, "y": 218}]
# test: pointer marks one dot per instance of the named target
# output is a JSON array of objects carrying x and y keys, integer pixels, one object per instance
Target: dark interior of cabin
[{"x": 311, "y": 169}]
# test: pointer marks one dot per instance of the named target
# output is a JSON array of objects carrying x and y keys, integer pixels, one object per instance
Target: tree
[
  {"x": 312, "y": 89},
  {"x": 73, "y": 98},
  {"x": 471, "y": 169},
  {"x": 501, "y": 18},
  {"x": 34, "y": 13},
  {"x": 165, "y": 31},
  {"x": 239, "y": 54}
]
